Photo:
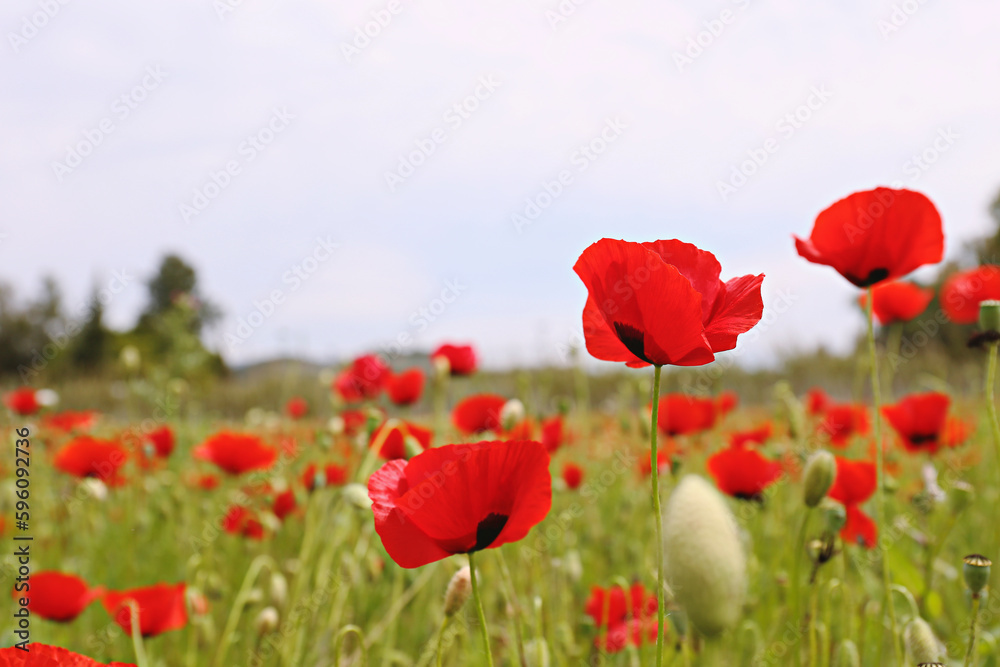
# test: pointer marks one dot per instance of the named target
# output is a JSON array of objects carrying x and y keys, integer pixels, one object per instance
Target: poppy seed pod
[
  {"x": 847, "y": 655},
  {"x": 976, "y": 571},
  {"x": 458, "y": 591},
  {"x": 989, "y": 316},
  {"x": 818, "y": 477},
  {"x": 704, "y": 562},
  {"x": 920, "y": 641}
]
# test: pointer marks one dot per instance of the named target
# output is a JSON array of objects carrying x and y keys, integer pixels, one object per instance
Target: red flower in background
[
  {"x": 163, "y": 441},
  {"x": 876, "y": 235},
  {"x": 552, "y": 433},
  {"x": 284, "y": 504},
  {"x": 22, "y": 401},
  {"x": 206, "y": 482},
  {"x": 391, "y": 438},
  {"x": 460, "y": 498},
  {"x": 855, "y": 483},
  {"x": 572, "y": 474},
  {"x": 726, "y": 402},
  {"x": 69, "y": 421},
  {"x": 920, "y": 420},
  {"x": 236, "y": 453},
  {"x": 897, "y": 301},
  {"x": 663, "y": 462},
  {"x": 241, "y": 521},
  {"x": 296, "y": 407},
  {"x": 962, "y": 293},
  {"x": 817, "y": 401},
  {"x": 757, "y": 436},
  {"x": 522, "y": 430},
  {"x": 631, "y": 620},
  {"x": 43, "y": 655},
  {"x": 743, "y": 472},
  {"x": 363, "y": 379},
  {"x": 406, "y": 388},
  {"x": 85, "y": 456},
  {"x": 680, "y": 414},
  {"x": 662, "y": 303},
  {"x": 353, "y": 421},
  {"x": 842, "y": 422},
  {"x": 161, "y": 608},
  {"x": 956, "y": 432},
  {"x": 331, "y": 475},
  {"x": 461, "y": 358},
  {"x": 478, "y": 413},
  {"x": 58, "y": 597}
]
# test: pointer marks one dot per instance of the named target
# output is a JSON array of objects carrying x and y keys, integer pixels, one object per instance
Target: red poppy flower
[
  {"x": 460, "y": 498},
  {"x": 920, "y": 420},
  {"x": 43, "y": 655},
  {"x": 296, "y": 407},
  {"x": 876, "y": 235},
  {"x": 552, "y": 433},
  {"x": 392, "y": 436},
  {"x": 663, "y": 461},
  {"x": 628, "y": 621},
  {"x": 757, "y": 436},
  {"x": 88, "y": 457},
  {"x": 163, "y": 441},
  {"x": 897, "y": 301},
  {"x": 855, "y": 481},
  {"x": 69, "y": 421},
  {"x": 58, "y": 597},
  {"x": 817, "y": 401},
  {"x": 354, "y": 420},
  {"x": 572, "y": 474},
  {"x": 844, "y": 421},
  {"x": 478, "y": 413},
  {"x": 726, "y": 402},
  {"x": 956, "y": 432},
  {"x": 332, "y": 475},
  {"x": 363, "y": 379},
  {"x": 22, "y": 401},
  {"x": 680, "y": 414},
  {"x": 743, "y": 473},
  {"x": 284, "y": 504},
  {"x": 241, "y": 521},
  {"x": 405, "y": 388},
  {"x": 206, "y": 482},
  {"x": 236, "y": 453},
  {"x": 461, "y": 358},
  {"x": 962, "y": 293},
  {"x": 859, "y": 529},
  {"x": 522, "y": 430},
  {"x": 662, "y": 303},
  {"x": 161, "y": 608}
]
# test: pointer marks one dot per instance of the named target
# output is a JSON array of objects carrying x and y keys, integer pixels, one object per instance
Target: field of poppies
[{"x": 415, "y": 517}]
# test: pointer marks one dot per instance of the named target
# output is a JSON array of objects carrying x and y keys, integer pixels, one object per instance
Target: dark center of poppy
[
  {"x": 922, "y": 438},
  {"x": 488, "y": 530},
  {"x": 874, "y": 276},
  {"x": 633, "y": 339}
]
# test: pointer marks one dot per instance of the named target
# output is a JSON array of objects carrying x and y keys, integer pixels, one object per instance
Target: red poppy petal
[
  {"x": 859, "y": 528},
  {"x": 855, "y": 482},
  {"x": 700, "y": 267},
  {"x": 737, "y": 309},
  {"x": 406, "y": 544},
  {"x": 602, "y": 343}
]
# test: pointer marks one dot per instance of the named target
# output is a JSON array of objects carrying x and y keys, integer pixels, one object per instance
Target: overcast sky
[{"x": 272, "y": 144}]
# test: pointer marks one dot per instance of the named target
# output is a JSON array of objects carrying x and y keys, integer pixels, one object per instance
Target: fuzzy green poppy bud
[
  {"x": 704, "y": 561},
  {"x": 459, "y": 589},
  {"x": 989, "y": 316},
  {"x": 357, "y": 495},
  {"x": 847, "y": 655},
  {"x": 279, "y": 590},
  {"x": 267, "y": 621},
  {"x": 961, "y": 496},
  {"x": 818, "y": 477},
  {"x": 976, "y": 571},
  {"x": 920, "y": 641}
]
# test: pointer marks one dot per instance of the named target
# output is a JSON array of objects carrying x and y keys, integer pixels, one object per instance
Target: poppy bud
[
  {"x": 847, "y": 655},
  {"x": 818, "y": 477},
  {"x": 976, "y": 571},
  {"x": 961, "y": 496},
  {"x": 95, "y": 488},
  {"x": 46, "y": 397},
  {"x": 279, "y": 590},
  {"x": 704, "y": 561},
  {"x": 266, "y": 621},
  {"x": 442, "y": 367},
  {"x": 536, "y": 653},
  {"x": 511, "y": 414},
  {"x": 834, "y": 515},
  {"x": 920, "y": 641},
  {"x": 357, "y": 495},
  {"x": 255, "y": 595},
  {"x": 458, "y": 591},
  {"x": 989, "y": 316},
  {"x": 815, "y": 550}
]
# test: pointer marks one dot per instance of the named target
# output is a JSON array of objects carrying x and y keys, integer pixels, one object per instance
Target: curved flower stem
[
  {"x": 655, "y": 475},
  {"x": 479, "y": 609},
  {"x": 880, "y": 462},
  {"x": 339, "y": 644},
  {"x": 970, "y": 653}
]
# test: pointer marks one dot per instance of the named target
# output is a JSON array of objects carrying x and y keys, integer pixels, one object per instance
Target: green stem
[
  {"x": 339, "y": 644},
  {"x": 440, "y": 640},
  {"x": 479, "y": 609},
  {"x": 140, "y": 652},
  {"x": 511, "y": 594},
  {"x": 991, "y": 408},
  {"x": 229, "y": 632},
  {"x": 970, "y": 659},
  {"x": 654, "y": 472},
  {"x": 799, "y": 547},
  {"x": 880, "y": 463}
]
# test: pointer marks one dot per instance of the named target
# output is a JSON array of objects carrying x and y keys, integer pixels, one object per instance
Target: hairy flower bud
[
  {"x": 459, "y": 589},
  {"x": 267, "y": 621},
  {"x": 818, "y": 477},
  {"x": 920, "y": 641}
]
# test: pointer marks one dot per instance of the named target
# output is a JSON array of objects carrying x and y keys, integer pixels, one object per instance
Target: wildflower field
[{"x": 415, "y": 515}]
